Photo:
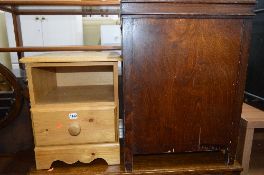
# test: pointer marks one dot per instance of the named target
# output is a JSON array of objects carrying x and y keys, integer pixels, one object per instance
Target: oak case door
[{"x": 181, "y": 81}]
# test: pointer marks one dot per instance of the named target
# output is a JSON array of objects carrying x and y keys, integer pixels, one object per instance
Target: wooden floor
[
  {"x": 198, "y": 163},
  {"x": 23, "y": 163}
]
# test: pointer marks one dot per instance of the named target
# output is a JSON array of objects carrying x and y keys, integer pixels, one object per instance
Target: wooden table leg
[{"x": 247, "y": 150}]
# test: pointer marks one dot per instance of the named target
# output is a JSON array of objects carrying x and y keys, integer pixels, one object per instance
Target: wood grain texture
[
  {"x": 240, "y": 85},
  {"x": 252, "y": 117},
  {"x": 127, "y": 103},
  {"x": 183, "y": 81},
  {"x": 70, "y": 154},
  {"x": 59, "y": 48},
  {"x": 113, "y": 10},
  {"x": 97, "y": 126},
  {"x": 195, "y": 70},
  {"x": 61, "y": 2},
  {"x": 58, "y": 83},
  {"x": 110, "y": 11},
  {"x": 167, "y": 8},
  {"x": 196, "y": 1},
  {"x": 74, "y": 107},
  {"x": 73, "y": 57},
  {"x": 245, "y": 147},
  {"x": 36, "y": 86},
  {"x": 182, "y": 164},
  {"x": 85, "y": 78}
]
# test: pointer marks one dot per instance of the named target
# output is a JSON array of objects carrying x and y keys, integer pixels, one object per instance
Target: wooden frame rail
[
  {"x": 98, "y": 7},
  {"x": 60, "y": 48},
  {"x": 96, "y": 10},
  {"x": 68, "y": 12},
  {"x": 6, "y": 9}
]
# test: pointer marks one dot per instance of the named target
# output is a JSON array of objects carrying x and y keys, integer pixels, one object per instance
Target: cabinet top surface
[
  {"x": 197, "y": 1},
  {"x": 109, "y": 2},
  {"x": 62, "y": 57},
  {"x": 59, "y": 2}
]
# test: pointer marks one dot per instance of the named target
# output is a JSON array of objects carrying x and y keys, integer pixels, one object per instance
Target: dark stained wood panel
[
  {"x": 182, "y": 83},
  {"x": 169, "y": 8},
  {"x": 184, "y": 164},
  {"x": 198, "y": 1}
]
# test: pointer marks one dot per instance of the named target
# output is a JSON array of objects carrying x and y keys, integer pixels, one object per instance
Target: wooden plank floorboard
[{"x": 187, "y": 163}]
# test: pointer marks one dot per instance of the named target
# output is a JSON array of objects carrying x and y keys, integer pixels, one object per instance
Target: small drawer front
[{"x": 74, "y": 127}]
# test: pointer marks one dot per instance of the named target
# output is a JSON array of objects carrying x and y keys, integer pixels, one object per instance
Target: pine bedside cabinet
[
  {"x": 184, "y": 70},
  {"x": 74, "y": 106}
]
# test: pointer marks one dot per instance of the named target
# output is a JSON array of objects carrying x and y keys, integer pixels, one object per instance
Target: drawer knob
[{"x": 74, "y": 129}]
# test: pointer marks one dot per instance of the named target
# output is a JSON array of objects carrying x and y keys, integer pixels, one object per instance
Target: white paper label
[{"x": 73, "y": 116}]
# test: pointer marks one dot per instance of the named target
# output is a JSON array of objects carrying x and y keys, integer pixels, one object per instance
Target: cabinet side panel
[
  {"x": 128, "y": 91},
  {"x": 241, "y": 81},
  {"x": 180, "y": 82}
]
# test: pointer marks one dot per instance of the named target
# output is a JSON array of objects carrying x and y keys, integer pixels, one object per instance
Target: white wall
[
  {"x": 92, "y": 31},
  {"x": 55, "y": 30},
  {"x": 4, "y": 57}
]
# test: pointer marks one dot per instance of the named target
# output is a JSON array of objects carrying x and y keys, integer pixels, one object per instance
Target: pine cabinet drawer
[{"x": 74, "y": 126}]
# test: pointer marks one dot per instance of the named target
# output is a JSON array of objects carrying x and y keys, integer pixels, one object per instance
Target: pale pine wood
[
  {"x": 30, "y": 83},
  {"x": 251, "y": 118},
  {"x": 36, "y": 84},
  {"x": 72, "y": 64},
  {"x": 73, "y": 57},
  {"x": 87, "y": 86},
  {"x": 110, "y": 152},
  {"x": 51, "y": 128},
  {"x": 58, "y": 48},
  {"x": 80, "y": 94},
  {"x": 83, "y": 76},
  {"x": 115, "y": 82},
  {"x": 254, "y": 117},
  {"x": 69, "y": 106},
  {"x": 72, "y": 82}
]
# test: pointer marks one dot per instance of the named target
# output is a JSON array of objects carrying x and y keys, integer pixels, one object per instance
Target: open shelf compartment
[{"x": 64, "y": 83}]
